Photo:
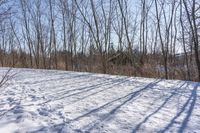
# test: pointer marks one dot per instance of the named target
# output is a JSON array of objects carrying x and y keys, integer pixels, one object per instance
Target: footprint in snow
[
  {"x": 18, "y": 109},
  {"x": 80, "y": 131},
  {"x": 44, "y": 111},
  {"x": 33, "y": 97},
  {"x": 10, "y": 99},
  {"x": 33, "y": 90}
]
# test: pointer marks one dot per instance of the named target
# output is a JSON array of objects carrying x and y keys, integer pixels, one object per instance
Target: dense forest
[{"x": 148, "y": 38}]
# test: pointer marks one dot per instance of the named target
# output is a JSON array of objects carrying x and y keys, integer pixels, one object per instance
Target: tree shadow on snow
[
  {"x": 116, "y": 104},
  {"x": 190, "y": 103},
  {"x": 99, "y": 86},
  {"x": 125, "y": 99}
]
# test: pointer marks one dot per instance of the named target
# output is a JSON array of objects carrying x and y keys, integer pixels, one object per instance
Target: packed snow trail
[{"x": 50, "y": 101}]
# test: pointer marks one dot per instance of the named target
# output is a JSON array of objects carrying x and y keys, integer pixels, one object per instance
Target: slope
[{"x": 50, "y": 101}]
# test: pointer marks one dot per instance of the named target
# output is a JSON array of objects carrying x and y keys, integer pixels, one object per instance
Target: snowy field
[{"x": 42, "y": 101}]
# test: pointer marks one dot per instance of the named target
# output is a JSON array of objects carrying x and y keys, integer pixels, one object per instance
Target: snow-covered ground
[{"x": 40, "y": 101}]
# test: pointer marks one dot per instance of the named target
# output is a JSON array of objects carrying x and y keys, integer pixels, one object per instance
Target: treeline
[{"x": 150, "y": 38}]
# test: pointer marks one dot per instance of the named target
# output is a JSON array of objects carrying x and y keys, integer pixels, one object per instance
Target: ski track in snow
[{"x": 50, "y": 101}]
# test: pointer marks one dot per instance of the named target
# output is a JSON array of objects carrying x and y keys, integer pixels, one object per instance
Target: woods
[{"x": 149, "y": 38}]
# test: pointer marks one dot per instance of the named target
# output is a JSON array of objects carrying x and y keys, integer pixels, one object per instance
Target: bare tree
[
  {"x": 192, "y": 19},
  {"x": 164, "y": 41},
  {"x": 52, "y": 33},
  {"x": 4, "y": 11},
  {"x": 65, "y": 14},
  {"x": 183, "y": 39}
]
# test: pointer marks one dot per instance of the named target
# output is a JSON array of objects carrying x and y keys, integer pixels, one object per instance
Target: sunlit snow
[{"x": 50, "y": 101}]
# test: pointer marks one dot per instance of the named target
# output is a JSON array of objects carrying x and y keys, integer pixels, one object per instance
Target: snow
[{"x": 50, "y": 101}]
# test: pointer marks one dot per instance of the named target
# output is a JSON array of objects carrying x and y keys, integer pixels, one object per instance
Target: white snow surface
[{"x": 51, "y": 101}]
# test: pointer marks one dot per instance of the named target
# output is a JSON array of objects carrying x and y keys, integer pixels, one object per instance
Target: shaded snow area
[{"x": 49, "y": 101}]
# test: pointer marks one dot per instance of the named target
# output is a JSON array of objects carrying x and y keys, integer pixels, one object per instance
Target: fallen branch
[{"x": 6, "y": 77}]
